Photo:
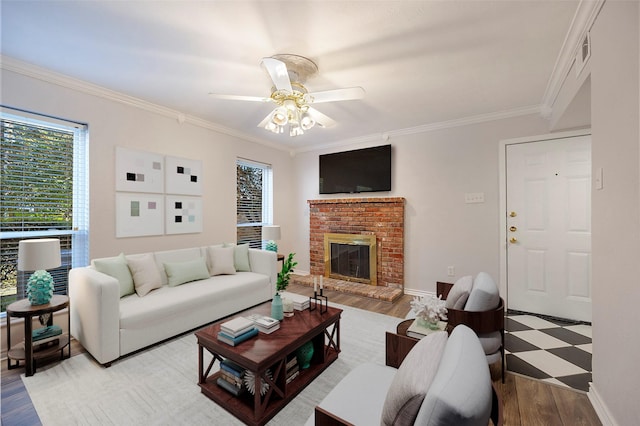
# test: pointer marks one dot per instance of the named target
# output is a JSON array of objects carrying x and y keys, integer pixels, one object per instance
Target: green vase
[
  {"x": 276, "y": 307},
  {"x": 304, "y": 355}
]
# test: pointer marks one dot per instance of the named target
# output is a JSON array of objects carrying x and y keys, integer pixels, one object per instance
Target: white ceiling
[{"x": 420, "y": 62}]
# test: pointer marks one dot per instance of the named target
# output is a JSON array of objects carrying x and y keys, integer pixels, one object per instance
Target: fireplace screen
[{"x": 351, "y": 257}]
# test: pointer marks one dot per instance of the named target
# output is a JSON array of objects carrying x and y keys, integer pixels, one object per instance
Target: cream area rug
[{"x": 158, "y": 386}]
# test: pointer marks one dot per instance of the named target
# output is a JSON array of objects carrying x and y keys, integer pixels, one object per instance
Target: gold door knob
[
  {"x": 513, "y": 214},
  {"x": 513, "y": 229},
  {"x": 513, "y": 240}
]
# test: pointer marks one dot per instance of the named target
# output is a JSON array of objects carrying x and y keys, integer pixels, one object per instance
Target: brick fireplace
[{"x": 381, "y": 217}]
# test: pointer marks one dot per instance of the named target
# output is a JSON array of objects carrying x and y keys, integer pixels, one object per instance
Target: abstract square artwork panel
[
  {"x": 139, "y": 171},
  {"x": 183, "y": 214},
  {"x": 139, "y": 214},
  {"x": 183, "y": 176}
]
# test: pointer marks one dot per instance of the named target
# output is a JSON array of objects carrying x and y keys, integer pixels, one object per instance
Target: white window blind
[
  {"x": 44, "y": 193},
  {"x": 254, "y": 201}
]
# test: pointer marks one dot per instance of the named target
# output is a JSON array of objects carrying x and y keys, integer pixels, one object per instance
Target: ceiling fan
[{"x": 293, "y": 101}]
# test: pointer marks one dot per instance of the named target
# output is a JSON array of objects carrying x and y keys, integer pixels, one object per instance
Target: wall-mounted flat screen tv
[{"x": 360, "y": 170}]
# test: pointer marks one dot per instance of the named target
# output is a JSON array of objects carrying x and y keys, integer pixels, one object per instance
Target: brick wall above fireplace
[{"x": 382, "y": 217}]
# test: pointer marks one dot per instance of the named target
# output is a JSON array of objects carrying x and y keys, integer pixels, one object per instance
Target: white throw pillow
[
  {"x": 146, "y": 276},
  {"x": 459, "y": 293},
  {"x": 412, "y": 381},
  {"x": 221, "y": 260}
]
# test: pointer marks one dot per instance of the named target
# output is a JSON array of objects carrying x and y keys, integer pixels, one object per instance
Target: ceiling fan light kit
[{"x": 288, "y": 73}]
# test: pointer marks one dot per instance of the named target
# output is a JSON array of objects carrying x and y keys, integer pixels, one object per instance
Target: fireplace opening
[{"x": 351, "y": 257}]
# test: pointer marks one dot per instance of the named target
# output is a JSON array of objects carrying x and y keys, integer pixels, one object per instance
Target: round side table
[{"x": 25, "y": 351}]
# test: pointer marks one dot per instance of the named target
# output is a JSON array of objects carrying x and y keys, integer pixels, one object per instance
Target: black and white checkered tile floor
[{"x": 551, "y": 350}]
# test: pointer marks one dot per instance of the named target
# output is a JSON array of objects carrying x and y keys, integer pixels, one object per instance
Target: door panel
[{"x": 549, "y": 227}]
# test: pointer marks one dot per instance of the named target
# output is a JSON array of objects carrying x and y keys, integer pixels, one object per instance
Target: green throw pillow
[
  {"x": 240, "y": 257},
  {"x": 117, "y": 268},
  {"x": 184, "y": 272}
]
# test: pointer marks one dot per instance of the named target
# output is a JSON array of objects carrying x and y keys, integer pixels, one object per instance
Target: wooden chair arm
[
  {"x": 325, "y": 418},
  {"x": 480, "y": 322},
  {"x": 443, "y": 289}
]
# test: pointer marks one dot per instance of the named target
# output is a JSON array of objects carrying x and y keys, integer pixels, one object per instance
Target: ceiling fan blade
[
  {"x": 321, "y": 119},
  {"x": 278, "y": 72},
  {"x": 240, "y": 97},
  {"x": 346, "y": 94}
]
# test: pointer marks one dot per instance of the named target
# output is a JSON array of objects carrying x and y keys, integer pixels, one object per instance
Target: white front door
[{"x": 548, "y": 201}]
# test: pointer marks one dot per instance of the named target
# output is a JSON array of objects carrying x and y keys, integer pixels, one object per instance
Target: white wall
[
  {"x": 615, "y": 91},
  {"x": 113, "y": 123},
  {"x": 433, "y": 171}
]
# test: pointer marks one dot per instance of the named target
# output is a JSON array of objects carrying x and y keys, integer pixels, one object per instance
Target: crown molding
[
  {"x": 43, "y": 74},
  {"x": 431, "y": 127},
  {"x": 583, "y": 20}
]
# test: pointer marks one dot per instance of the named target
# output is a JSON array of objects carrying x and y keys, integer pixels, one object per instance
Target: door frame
[{"x": 502, "y": 167}]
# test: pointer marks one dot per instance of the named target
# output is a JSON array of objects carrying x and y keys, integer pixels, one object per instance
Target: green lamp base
[
  {"x": 40, "y": 288},
  {"x": 271, "y": 246}
]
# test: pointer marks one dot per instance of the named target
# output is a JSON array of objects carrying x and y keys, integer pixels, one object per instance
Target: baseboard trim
[{"x": 600, "y": 407}]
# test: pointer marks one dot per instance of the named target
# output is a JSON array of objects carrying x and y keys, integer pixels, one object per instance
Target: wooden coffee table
[{"x": 269, "y": 352}]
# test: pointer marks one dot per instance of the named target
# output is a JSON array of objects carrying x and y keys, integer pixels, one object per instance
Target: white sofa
[
  {"x": 109, "y": 324},
  {"x": 442, "y": 381}
]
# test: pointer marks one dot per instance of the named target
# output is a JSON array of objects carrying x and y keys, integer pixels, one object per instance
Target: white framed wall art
[
  {"x": 183, "y": 214},
  {"x": 139, "y": 171},
  {"x": 139, "y": 214},
  {"x": 183, "y": 176}
]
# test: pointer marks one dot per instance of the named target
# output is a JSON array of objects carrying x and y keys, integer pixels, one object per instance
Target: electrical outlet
[{"x": 451, "y": 271}]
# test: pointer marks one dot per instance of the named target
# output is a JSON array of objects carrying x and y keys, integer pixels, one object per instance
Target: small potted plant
[
  {"x": 285, "y": 274},
  {"x": 281, "y": 284}
]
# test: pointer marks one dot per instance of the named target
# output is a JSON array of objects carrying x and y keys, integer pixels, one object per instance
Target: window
[
  {"x": 43, "y": 193},
  {"x": 253, "y": 201}
]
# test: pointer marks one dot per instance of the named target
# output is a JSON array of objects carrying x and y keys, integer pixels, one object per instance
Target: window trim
[{"x": 79, "y": 231}]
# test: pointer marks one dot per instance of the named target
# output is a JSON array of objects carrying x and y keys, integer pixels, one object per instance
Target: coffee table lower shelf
[{"x": 242, "y": 406}]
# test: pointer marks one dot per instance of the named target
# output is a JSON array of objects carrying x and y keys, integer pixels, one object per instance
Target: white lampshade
[
  {"x": 271, "y": 232},
  {"x": 39, "y": 254}
]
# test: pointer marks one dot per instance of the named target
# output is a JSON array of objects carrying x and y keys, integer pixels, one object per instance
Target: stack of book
[
  {"x": 231, "y": 376},
  {"x": 293, "y": 369},
  {"x": 45, "y": 337},
  {"x": 264, "y": 323},
  {"x": 237, "y": 331},
  {"x": 300, "y": 303},
  {"x": 419, "y": 331}
]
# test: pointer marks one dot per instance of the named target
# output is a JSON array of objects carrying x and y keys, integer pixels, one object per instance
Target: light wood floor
[{"x": 525, "y": 401}]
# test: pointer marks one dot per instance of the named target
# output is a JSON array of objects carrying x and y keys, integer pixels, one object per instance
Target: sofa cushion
[
  {"x": 412, "y": 380},
  {"x": 484, "y": 295},
  {"x": 178, "y": 255},
  {"x": 184, "y": 272},
  {"x": 460, "y": 393},
  {"x": 117, "y": 268},
  {"x": 459, "y": 293},
  {"x": 221, "y": 260},
  {"x": 171, "y": 304},
  {"x": 146, "y": 276}
]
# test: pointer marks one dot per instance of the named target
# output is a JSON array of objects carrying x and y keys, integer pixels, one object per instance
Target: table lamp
[
  {"x": 271, "y": 233},
  {"x": 38, "y": 255}
]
